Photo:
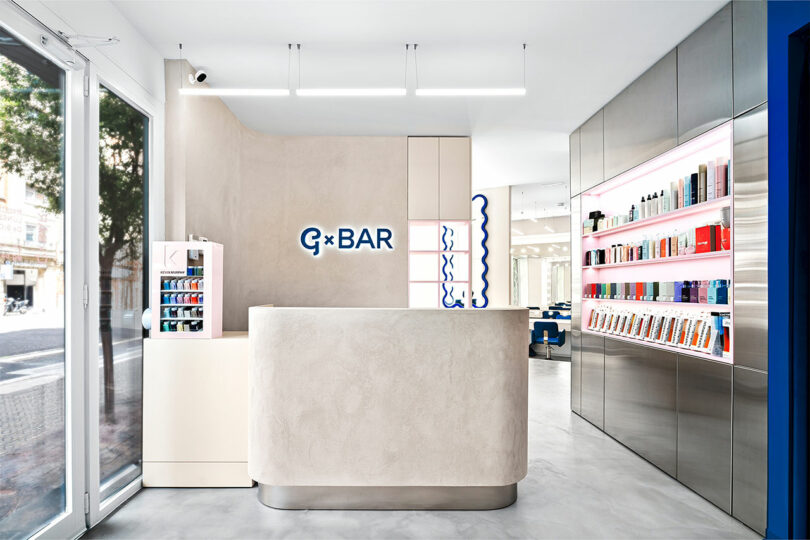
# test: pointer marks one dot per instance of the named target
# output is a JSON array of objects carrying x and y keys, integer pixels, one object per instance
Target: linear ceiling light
[
  {"x": 455, "y": 92},
  {"x": 469, "y": 92},
  {"x": 349, "y": 92},
  {"x": 247, "y": 92}
]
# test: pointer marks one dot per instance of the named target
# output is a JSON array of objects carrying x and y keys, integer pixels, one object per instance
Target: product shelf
[
  {"x": 653, "y": 344},
  {"x": 688, "y": 305},
  {"x": 181, "y": 318},
  {"x": 713, "y": 204},
  {"x": 662, "y": 260},
  {"x": 181, "y": 291}
]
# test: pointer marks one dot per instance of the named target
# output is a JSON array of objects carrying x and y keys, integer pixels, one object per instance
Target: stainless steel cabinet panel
[
  {"x": 750, "y": 238},
  {"x": 750, "y": 475},
  {"x": 591, "y": 152},
  {"x": 576, "y": 306},
  {"x": 573, "y": 153},
  {"x": 640, "y": 407},
  {"x": 750, "y": 53},
  {"x": 704, "y": 428},
  {"x": 593, "y": 379},
  {"x": 704, "y": 77},
  {"x": 642, "y": 121}
]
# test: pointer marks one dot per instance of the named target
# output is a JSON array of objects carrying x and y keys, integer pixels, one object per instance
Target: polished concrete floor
[{"x": 581, "y": 484}]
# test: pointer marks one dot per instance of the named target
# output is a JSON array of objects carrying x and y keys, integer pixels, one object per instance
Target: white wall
[{"x": 536, "y": 283}]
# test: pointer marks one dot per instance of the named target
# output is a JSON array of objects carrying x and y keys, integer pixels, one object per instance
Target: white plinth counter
[{"x": 387, "y": 408}]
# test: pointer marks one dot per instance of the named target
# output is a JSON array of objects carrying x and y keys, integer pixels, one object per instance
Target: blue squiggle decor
[
  {"x": 444, "y": 235},
  {"x": 444, "y": 266},
  {"x": 486, "y": 251},
  {"x": 454, "y": 303}
]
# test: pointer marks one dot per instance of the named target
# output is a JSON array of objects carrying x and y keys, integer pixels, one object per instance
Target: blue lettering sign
[{"x": 375, "y": 240}]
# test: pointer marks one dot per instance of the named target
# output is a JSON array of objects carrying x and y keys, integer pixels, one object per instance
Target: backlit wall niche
[
  {"x": 439, "y": 264},
  {"x": 634, "y": 297}
]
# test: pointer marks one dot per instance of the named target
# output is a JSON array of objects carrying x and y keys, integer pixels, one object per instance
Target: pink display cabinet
[
  {"x": 615, "y": 197},
  {"x": 186, "y": 290}
]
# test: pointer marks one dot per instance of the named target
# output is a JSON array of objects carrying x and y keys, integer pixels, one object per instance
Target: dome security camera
[{"x": 198, "y": 77}]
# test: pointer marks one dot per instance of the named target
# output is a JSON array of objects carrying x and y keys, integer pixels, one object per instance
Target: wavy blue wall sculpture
[{"x": 486, "y": 251}]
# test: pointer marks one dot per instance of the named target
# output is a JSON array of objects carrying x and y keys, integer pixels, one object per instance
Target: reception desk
[{"x": 387, "y": 408}]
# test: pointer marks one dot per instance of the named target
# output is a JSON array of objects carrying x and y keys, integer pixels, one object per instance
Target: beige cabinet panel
[
  {"x": 174, "y": 474},
  {"x": 454, "y": 178},
  {"x": 423, "y": 178},
  {"x": 195, "y": 407}
]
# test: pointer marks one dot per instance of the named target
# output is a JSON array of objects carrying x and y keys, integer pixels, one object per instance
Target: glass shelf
[
  {"x": 661, "y": 260},
  {"x": 714, "y": 204}
]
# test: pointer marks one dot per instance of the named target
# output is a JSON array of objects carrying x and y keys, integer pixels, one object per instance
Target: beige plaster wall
[{"x": 255, "y": 193}]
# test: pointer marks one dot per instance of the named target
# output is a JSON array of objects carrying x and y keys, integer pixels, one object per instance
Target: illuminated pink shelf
[
  {"x": 659, "y": 260},
  {"x": 722, "y": 202},
  {"x": 689, "y": 305},
  {"x": 655, "y": 345}
]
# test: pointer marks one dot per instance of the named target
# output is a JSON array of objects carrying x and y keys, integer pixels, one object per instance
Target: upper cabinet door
[
  {"x": 642, "y": 121},
  {"x": 454, "y": 178},
  {"x": 704, "y": 77},
  {"x": 592, "y": 157},
  {"x": 750, "y": 44},
  {"x": 423, "y": 178},
  {"x": 573, "y": 152}
]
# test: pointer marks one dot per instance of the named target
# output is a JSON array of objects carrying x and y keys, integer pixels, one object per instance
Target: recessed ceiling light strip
[{"x": 471, "y": 92}]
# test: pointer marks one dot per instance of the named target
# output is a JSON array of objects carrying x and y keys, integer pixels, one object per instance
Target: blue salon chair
[
  {"x": 549, "y": 334},
  {"x": 561, "y": 316},
  {"x": 550, "y": 314}
]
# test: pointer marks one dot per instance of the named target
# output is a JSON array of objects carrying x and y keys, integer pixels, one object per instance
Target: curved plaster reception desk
[{"x": 387, "y": 408}]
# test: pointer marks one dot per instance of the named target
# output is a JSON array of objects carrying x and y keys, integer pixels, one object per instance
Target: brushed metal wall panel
[
  {"x": 593, "y": 379},
  {"x": 642, "y": 121},
  {"x": 750, "y": 463},
  {"x": 640, "y": 406},
  {"x": 704, "y": 77},
  {"x": 750, "y": 238},
  {"x": 750, "y": 53},
  {"x": 591, "y": 151},
  {"x": 573, "y": 154},
  {"x": 576, "y": 306},
  {"x": 704, "y": 428}
]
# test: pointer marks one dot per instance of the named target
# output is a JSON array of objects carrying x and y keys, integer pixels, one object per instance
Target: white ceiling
[{"x": 580, "y": 54}]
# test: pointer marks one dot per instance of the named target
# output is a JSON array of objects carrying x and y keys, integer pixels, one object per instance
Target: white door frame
[
  {"x": 98, "y": 508},
  {"x": 72, "y": 522}
]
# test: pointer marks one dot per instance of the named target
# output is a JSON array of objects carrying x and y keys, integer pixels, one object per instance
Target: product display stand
[{"x": 186, "y": 286}]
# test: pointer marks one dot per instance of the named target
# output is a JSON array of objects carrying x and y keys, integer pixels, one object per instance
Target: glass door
[
  {"x": 119, "y": 231},
  {"x": 41, "y": 276}
]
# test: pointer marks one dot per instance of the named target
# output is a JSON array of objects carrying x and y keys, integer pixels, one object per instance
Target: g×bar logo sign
[{"x": 347, "y": 239}]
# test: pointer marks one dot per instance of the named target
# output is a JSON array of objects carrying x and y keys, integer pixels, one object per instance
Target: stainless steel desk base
[{"x": 387, "y": 497}]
